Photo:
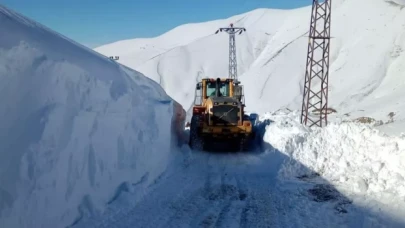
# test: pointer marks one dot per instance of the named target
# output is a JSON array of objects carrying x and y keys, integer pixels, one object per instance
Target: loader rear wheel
[
  {"x": 196, "y": 142},
  {"x": 245, "y": 144},
  {"x": 242, "y": 145}
]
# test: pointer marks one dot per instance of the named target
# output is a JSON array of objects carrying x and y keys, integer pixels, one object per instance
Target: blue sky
[{"x": 97, "y": 22}]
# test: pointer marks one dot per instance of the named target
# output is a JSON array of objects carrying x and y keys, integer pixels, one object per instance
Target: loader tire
[
  {"x": 245, "y": 144},
  {"x": 196, "y": 142},
  {"x": 242, "y": 145}
]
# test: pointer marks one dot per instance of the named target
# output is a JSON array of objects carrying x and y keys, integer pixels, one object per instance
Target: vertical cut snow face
[
  {"x": 356, "y": 158},
  {"x": 74, "y": 127}
]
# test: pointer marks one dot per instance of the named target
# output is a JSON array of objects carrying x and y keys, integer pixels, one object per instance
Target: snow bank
[
  {"x": 356, "y": 156},
  {"x": 75, "y": 127}
]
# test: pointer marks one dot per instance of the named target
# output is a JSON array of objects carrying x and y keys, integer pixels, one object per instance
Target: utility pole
[
  {"x": 315, "y": 99},
  {"x": 233, "y": 74}
]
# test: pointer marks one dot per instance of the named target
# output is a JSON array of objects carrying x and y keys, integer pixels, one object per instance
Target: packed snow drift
[
  {"x": 76, "y": 128},
  {"x": 364, "y": 164},
  {"x": 367, "y": 58}
]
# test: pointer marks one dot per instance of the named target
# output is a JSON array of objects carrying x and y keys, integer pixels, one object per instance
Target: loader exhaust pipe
[{"x": 217, "y": 87}]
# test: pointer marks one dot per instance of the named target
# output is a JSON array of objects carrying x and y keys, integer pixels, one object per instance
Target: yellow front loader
[{"x": 218, "y": 116}]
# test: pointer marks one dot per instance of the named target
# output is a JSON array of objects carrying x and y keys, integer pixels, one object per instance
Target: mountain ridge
[{"x": 271, "y": 58}]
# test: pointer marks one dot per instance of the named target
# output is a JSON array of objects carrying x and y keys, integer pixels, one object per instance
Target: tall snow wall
[{"x": 74, "y": 127}]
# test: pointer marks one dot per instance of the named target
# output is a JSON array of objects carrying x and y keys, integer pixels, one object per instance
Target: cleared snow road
[{"x": 226, "y": 190}]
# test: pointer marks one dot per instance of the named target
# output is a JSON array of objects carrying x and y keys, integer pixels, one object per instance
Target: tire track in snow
[
  {"x": 213, "y": 194},
  {"x": 259, "y": 210},
  {"x": 227, "y": 193},
  {"x": 232, "y": 212},
  {"x": 196, "y": 203},
  {"x": 219, "y": 203},
  {"x": 219, "y": 190}
]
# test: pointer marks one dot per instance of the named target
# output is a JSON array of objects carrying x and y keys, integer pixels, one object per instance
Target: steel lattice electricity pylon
[
  {"x": 315, "y": 98},
  {"x": 233, "y": 71}
]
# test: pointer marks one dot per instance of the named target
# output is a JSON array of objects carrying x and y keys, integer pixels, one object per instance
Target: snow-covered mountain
[
  {"x": 367, "y": 59},
  {"x": 76, "y": 128}
]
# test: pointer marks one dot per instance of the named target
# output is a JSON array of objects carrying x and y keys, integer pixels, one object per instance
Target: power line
[
  {"x": 315, "y": 100},
  {"x": 233, "y": 74}
]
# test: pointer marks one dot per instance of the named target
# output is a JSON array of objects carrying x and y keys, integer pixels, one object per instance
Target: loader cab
[
  {"x": 220, "y": 87},
  {"x": 217, "y": 89}
]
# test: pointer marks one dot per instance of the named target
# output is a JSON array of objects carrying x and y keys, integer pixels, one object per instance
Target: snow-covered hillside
[
  {"x": 76, "y": 128},
  {"x": 367, "y": 59}
]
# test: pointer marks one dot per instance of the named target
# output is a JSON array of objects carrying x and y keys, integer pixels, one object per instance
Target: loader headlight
[
  {"x": 234, "y": 103},
  {"x": 215, "y": 103}
]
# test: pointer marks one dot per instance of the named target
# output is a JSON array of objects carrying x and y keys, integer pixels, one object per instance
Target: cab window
[{"x": 223, "y": 88}]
